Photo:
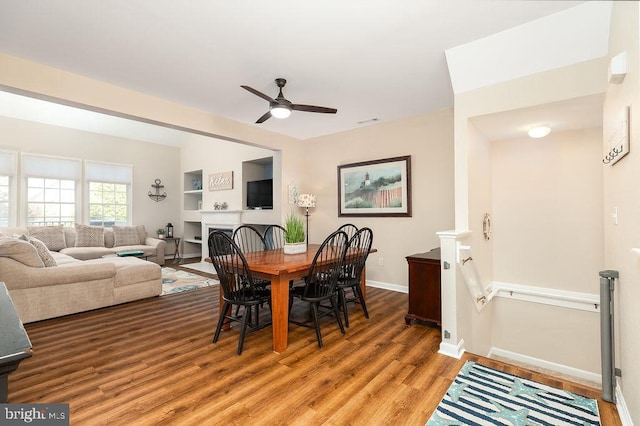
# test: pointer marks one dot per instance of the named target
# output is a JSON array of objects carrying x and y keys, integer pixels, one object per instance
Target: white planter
[
  {"x": 295, "y": 248},
  {"x": 161, "y": 236}
]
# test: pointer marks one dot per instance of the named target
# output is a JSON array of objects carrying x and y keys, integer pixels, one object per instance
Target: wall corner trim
[
  {"x": 623, "y": 410},
  {"x": 454, "y": 351}
]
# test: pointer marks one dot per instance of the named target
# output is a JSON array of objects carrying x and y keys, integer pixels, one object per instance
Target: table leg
[
  {"x": 176, "y": 253},
  {"x": 363, "y": 283},
  {"x": 280, "y": 312}
]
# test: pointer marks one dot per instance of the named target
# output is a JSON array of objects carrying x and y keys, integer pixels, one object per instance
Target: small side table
[
  {"x": 14, "y": 341},
  {"x": 176, "y": 253},
  {"x": 424, "y": 288}
]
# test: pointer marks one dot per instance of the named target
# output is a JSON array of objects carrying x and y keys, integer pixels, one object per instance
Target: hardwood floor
[{"x": 152, "y": 362}]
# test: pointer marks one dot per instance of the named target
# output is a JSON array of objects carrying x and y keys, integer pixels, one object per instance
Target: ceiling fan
[{"x": 280, "y": 107}]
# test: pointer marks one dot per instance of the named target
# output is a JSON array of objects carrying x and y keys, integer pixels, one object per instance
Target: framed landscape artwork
[{"x": 375, "y": 188}]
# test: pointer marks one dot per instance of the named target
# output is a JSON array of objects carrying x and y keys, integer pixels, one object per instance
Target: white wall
[
  {"x": 621, "y": 190},
  {"x": 547, "y": 227},
  {"x": 515, "y": 226},
  {"x": 428, "y": 139},
  {"x": 149, "y": 161},
  {"x": 547, "y": 205}
]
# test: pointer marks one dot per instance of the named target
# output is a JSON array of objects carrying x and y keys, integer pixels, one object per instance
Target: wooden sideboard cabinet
[{"x": 424, "y": 287}]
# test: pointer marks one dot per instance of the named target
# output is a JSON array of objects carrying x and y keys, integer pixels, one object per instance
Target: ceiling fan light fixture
[
  {"x": 539, "y": 132},
  {"x": 280, "y": 111}
]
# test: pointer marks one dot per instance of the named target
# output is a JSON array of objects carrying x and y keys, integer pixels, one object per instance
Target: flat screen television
[{"x": 260, "y": 194}]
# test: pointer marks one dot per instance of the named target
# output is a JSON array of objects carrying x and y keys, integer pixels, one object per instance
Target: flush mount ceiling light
[
  {"x": 279, "y": 110},
  {"x": 539, "y": 132}
]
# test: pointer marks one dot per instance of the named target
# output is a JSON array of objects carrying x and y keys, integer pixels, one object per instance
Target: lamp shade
[
  {"x": 280, "y": 111},
  {"x": 306, "y": 200}
]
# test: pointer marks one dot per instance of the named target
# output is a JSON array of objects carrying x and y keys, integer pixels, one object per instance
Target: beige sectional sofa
[{"x": 45, "y": 283}]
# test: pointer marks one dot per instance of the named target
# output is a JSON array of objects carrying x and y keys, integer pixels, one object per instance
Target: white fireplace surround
[{"x": 221, "y": 219}]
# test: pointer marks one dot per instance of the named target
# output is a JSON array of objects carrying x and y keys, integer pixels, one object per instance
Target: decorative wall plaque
[{"x": 220, "y": 181}]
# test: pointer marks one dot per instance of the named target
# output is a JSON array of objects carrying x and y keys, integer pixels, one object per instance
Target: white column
[{"x": 451, "y": 344}]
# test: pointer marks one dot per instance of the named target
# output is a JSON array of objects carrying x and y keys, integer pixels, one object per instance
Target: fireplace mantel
[{"x": 222, "y": 219}]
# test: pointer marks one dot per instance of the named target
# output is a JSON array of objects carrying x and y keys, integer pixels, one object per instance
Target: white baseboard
[
  {"x": 623, "y": 410},
  {"x": 454, "y": 351},
  {"x": 387, "y": 286},
  {"x": 547, "y": 365},
  {"x": 190, "y": 256}
]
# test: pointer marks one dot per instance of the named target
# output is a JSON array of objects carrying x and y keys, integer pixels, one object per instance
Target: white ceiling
[
  {"x": 571, "y": 114},
  {"x": 369, "y": 59}
]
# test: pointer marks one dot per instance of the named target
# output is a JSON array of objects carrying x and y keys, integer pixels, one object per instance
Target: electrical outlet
[{"x": 380, "y": 261}]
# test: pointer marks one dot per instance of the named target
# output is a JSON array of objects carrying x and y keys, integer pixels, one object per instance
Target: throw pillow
[
  {"x": 125, "y": 236},
  {"x": 20, "y": 251},
  {"x": 89, "y": 236},
  {"x": 43, "y": 252},
  {"x": 142, "y": 233},
  {"x": 51, "y": 236}
]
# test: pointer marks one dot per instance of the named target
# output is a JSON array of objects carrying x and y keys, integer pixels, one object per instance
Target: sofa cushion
[
  {"x": 63, "y": 259},
  {"x": 43, "y": 252},
  {"x": 20, "y": 251},
  {"x": 86, "y": 253},
  {"x": 131, "y": 270},
  {"x": 51, "y": 236},
  {"x": 89, "y": 236},
  {"x": 126, "y": 236}
]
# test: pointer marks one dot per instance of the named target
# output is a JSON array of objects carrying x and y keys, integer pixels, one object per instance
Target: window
[
  {"x": 109, "y": 193},
  {"x": 108, "y": 204},
  {"x": 51, "y": 202},
  {"x": 52, "y": 197},
  {"x": 7, "y": 195},
  {"x": 4, "y": 200}
]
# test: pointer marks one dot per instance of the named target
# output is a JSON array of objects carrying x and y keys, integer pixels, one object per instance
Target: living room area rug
[
  {"x": 481, "y": 395},
  {"x": 177, "y": 281}
]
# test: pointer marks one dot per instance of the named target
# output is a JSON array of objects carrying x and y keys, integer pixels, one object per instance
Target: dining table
[{"x": 280, "y": 268}]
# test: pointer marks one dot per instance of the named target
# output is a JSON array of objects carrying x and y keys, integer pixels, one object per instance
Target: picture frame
[{"x": 378, "y": 188}]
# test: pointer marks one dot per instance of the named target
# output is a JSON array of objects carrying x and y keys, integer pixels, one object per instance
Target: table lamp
[{"x": 306, "y": 201}]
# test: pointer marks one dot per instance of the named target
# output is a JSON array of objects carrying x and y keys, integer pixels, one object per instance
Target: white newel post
[{"x": 451, "y": 344}]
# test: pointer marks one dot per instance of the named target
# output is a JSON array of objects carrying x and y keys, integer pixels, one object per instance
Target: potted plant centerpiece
[
  {"x": 160, "y": 233},
  {"x": 294, "y": 240}
]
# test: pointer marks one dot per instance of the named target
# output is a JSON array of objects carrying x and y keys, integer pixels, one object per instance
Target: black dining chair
[
  {"x": 249, "y": 239},
  {"x": 355, "y": 261},
  {"x": 321, "y": 281},
  {"x": 238, "y": 286},
  {"x": 274, "y": 237},
  {"x": 349, "y": 229}
]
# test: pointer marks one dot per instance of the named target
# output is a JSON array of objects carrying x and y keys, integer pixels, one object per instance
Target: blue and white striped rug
[{"x": 480, "y": 395}]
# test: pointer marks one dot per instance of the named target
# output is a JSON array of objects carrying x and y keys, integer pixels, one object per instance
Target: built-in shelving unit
[{"x": 192, "y": 204}]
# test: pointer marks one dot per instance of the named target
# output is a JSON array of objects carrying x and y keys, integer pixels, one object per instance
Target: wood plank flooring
[{"x": 152, "y": 362}]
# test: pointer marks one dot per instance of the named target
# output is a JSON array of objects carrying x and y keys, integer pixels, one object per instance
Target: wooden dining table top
[{"x": 276, "y": 262}]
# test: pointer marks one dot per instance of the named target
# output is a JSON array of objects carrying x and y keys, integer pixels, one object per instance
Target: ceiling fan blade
[
  {"x": 312, "y": 108},
  {"x": 264, "y": 118},
  {"x": 258, "y": 93}
]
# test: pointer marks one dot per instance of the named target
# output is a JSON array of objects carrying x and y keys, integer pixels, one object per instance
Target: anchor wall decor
[{"x": 157, "y": 196}]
